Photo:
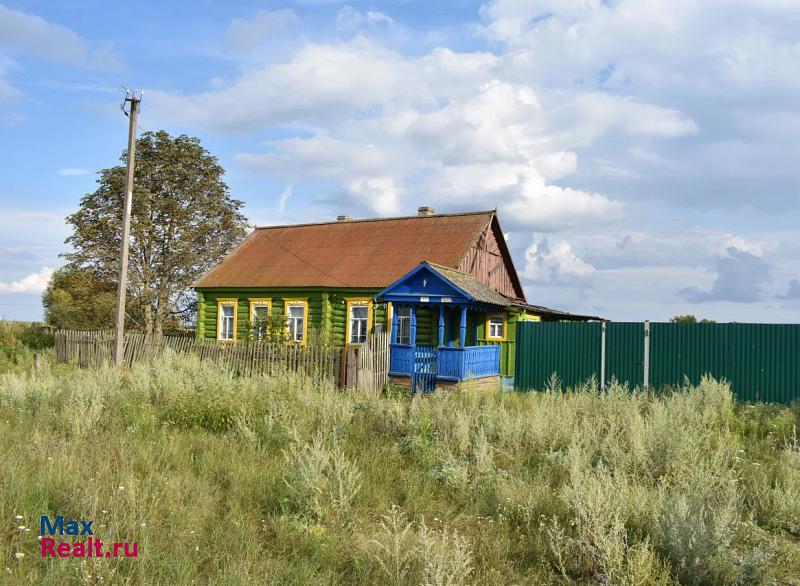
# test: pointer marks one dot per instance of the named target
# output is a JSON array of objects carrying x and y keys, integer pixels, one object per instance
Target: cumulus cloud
[
  {"x": 604, "y": 124},
  {"x": 20, "y": 31},
  {"x": 741, "y": 277},
  {"x": 34, "y": 283},
  {"x": 349, "y": 17},
  {"x": 793, "y": 292},
  {"x": 556, "y": 264}
]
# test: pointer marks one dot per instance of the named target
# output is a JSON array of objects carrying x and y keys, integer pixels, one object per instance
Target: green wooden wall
[{"x": 327, "y": 309}]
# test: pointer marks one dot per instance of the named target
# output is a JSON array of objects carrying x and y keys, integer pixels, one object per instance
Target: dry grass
[{"x": 245, "y": 480}]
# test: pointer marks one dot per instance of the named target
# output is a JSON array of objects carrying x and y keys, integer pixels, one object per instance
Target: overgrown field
[{"x": 231, "y": 480}]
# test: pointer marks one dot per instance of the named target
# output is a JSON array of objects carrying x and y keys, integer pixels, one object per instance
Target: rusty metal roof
[{"x": 353, "y": 253}]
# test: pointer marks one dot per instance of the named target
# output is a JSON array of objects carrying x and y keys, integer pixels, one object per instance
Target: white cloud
[
  {"x": 741, "y": 277},
  {"x": 378, "y": 194},
  {"x": 29, "y": 33},
  {"x": 34, "y": 283},
  {"x": 284, "y": 198},
  {"x": 245, "y": 34},
  {"x": 556, "y": 264},
  {"x": 349, "y": 17},
  {"x": 72, "y": 171},
  {"x": 648, "y": 135}
]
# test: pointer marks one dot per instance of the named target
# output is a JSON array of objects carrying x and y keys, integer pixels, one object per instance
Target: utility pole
[{"x": 119, "y": 329}]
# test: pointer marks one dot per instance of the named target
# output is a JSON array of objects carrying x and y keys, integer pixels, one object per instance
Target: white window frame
[
  {"x": 290, "y": 303},
  {"x": 358, "y": 326},
  {"x": 255, "y": 305},
  {"x": 407, "y": 319},
  {"x": 223, "y": 304},
  {"x": 492, "y": 326}
]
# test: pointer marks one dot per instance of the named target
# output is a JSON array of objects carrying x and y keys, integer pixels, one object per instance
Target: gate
[{"x": 425, "y": 369}]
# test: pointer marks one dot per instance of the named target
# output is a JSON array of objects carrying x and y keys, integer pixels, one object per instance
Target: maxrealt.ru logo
[{"x": 87, "y": 547}]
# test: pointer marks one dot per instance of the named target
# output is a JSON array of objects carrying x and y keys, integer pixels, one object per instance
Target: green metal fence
[{"x": 761, "y": 361}]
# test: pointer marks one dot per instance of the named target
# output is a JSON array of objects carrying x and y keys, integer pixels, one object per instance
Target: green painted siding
[{"x": 327, "y": 309}]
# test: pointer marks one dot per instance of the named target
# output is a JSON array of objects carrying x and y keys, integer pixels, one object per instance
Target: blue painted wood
[
  {"x": 451, "y": 361},
  {"x": 401, "y": 360},
  {"x": 425, "y": 369},
  {"x": 480, "y": 361},
  {"x": 413, "y": 326},
  {"x": 393, "y": 339},
  {"x": 462, "y": 333},
  {"x": 441, "y": 326}
]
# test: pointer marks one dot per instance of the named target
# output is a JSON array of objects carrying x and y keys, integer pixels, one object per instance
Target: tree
[
  {"x": 690, "y": 319},
  {"x": 77, "y": 299},
  {"x": 183, "y": 222}
]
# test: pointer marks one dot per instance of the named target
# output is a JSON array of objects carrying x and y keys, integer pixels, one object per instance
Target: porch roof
[{"x": 470, "y": 285}]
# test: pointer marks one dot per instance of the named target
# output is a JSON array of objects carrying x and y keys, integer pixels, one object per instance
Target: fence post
[
  {"x": 603, "y": 356},
  {"x": 646, "y": 354}
]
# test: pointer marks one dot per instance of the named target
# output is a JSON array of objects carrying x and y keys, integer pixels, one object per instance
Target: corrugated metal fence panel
[
  {"x": 571, "y": 350},
  {"x": 761, "y": 361},
  {"x": 625, "y": 352}
]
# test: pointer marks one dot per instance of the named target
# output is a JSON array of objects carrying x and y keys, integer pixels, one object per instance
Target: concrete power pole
[{"x": 119, "y": 329}]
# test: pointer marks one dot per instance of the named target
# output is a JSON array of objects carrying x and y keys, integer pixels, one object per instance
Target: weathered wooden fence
[
  {"x": 364, "y": 367},
  {"x": 373, "y": 363}
]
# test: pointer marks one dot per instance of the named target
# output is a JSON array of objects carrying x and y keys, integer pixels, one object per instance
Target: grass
[{"x": 272, "y": 480}]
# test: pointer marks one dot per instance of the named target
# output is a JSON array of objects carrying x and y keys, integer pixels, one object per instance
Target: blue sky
[{"x": 641, "y": 153}]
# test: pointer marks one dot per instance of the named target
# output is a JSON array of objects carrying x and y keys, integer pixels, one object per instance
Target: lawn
[{"x": 229, "y": 480}]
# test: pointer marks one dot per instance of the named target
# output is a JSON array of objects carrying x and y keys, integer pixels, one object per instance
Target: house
[{"x": 443, "y": 284}]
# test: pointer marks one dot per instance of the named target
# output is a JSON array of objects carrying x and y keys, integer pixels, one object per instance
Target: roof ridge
[{"x": 362, "y": 220}]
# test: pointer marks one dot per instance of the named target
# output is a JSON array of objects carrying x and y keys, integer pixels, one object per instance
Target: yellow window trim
[
  {"x": 260, "y": 302},
  {"x": 505, "y": 327},
  {"x": 351, "y": 301},
  {"x": 389, "y": 315},
  {"x": 298, "y": 301},
  {"x": 228, "y": 301}
]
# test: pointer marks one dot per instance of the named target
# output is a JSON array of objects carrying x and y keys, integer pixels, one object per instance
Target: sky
[{"x": 642, "y": 154}]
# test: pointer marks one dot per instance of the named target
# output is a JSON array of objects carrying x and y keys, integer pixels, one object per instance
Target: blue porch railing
[
  {"x": 401, "y": 359},
  {"x": 452, "y": 363}
]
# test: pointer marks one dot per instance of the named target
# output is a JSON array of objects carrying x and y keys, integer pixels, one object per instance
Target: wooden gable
[{"x": 489, "y": 261}]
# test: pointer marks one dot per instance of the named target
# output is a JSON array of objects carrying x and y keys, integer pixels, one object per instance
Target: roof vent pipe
[
  {"x": 425, "y": 211},
  {"x": 343, "y": 218}
]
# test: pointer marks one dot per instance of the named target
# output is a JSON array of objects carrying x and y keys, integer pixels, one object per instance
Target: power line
[{"x": 313, "y": 266}]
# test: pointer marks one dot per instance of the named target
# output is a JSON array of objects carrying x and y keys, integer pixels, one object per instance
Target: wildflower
[
  {"x": 19, "y": 555},
  {"x": 104, "y": 512},
  {"x": 143, "y": 524},
  {"x": 20, "y": 517},
  {"x": 21, "y": 528},
  {"x": 121, "y": 487},
  {"x": 197, "y": 548}
]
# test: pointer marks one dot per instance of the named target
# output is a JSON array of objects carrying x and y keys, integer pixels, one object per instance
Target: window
[
  {"x": 296, "y": 320},
  {"x": 226, "y": 320},
  {"x": 496, "y": 328},
  {"x": 404, "y": 325},
  {"x": 260, "y": 310},
  {"x": 358, "y": 320}
]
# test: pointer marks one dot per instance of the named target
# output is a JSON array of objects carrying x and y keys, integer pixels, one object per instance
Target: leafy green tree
[
  {"x": 183, "y": 222},
  {"x": 690, "y": 319},
  {"x": 77, "y": 299}
]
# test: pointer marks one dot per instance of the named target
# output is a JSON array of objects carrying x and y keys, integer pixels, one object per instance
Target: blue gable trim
[{"x": 424, "y": 285}]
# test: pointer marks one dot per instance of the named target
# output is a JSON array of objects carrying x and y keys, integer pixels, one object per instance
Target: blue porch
[{"x": 452, "y": 311}]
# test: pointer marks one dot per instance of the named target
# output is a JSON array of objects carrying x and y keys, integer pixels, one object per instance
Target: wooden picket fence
[
  {"x": 373, "y": 363},
  {"x": 365, "y": 367}
]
